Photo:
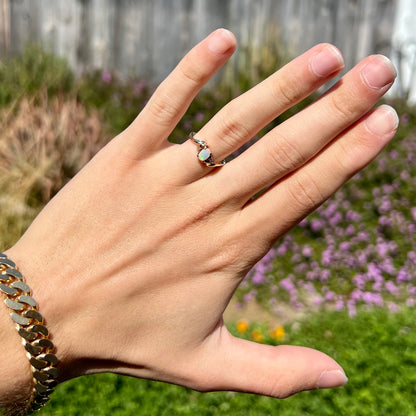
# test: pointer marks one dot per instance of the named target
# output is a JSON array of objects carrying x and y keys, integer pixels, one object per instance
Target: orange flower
[
  {"x": 242, "y": 326},
  {"x": 278, "y": 333},
  {"x": 257, "y": 336}
]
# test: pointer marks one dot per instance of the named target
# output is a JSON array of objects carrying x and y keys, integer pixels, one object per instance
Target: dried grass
[{"x": 43, "y": 143}]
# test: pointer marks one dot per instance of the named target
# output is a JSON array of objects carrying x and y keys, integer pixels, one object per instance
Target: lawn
[{"x": 376, "y": 348}]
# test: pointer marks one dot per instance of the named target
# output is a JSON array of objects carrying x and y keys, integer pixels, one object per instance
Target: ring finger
[{"x": 243, "y": 117}]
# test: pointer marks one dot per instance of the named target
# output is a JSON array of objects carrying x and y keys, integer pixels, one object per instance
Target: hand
[{"x": 134, "y": 261}]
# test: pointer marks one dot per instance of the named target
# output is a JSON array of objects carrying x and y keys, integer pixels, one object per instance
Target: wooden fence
[{"x": 148, "y": 37}]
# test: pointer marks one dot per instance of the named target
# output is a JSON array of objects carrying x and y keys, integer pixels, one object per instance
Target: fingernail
[
  {"x": 379, "y": 72},
  {"x": 382, "y": 121},
  {"x": 327, "y": 61},
  {"x": 221, "y": 41},
  {"x": 329, "y": 379}
]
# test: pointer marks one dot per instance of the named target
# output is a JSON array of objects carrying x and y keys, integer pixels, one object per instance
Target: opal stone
[{"x": 204, "y": 154}]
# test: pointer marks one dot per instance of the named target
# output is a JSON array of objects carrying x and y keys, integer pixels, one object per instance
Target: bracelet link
[{"x": 30, "y": 326}]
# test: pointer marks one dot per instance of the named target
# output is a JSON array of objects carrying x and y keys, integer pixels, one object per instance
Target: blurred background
[
  {"x": 148, "y": 37},
  {"x": 74, "y": 73}
]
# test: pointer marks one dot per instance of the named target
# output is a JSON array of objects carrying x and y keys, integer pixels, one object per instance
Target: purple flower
[
  {"x": 106, "y": 77},
  {"x": 405, "y": 176},
  {"x": 325, "y": 275},
  {"x": 372, "y": 298},
  {"x": 405, "y": 118},
  {"x": 318, "y": 300},
  {"x": 326, "y": 257},
  {"x": 317, "y": 225},
  {"x": 350, "y": 230},
  {"x": 282, "y": 249},
  {"x": 385, "y": 221},
  {"x": 307, "y": 251},
  {"x": 288, "y": 285},
  {"x": 410, "y": 302},
  {"x": 403, "y": 276},
  {"x": 391, "y": 288},
  {"x": 329, "y": 296},
  {"x": 411, "y": 290},
  {"x": 199, "y": 116},
  {"x": 394, "y": 154},
  {"x": 359, "y": 281},
  {"x": 352, "y": 216},
  {"x": 258, "y": 278},
  {"x": 345, "y": 246},
  {"x": 250, "y": 296},
  {"x": 393, "y": 307},
  {"x": 335, "y": 219},
  {"x": 339, "y": 305},
  {"x": 356, "y": 294},
  {"x": 139, "y": 87},
  {"x": 414, "y": 213}
]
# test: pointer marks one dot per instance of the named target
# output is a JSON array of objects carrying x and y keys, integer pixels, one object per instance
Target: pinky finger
[{"x": 288, "y": 201}]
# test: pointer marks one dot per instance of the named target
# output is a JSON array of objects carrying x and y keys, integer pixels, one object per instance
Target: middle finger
[
  {"x": 244, "y": 116},
  {"x": 288, "y": 146}
]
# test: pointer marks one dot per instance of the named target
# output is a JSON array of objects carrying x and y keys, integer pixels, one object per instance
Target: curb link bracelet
[{"x": 30, "y": 326}]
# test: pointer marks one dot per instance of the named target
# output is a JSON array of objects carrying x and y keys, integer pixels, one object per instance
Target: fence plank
[{"x": 148, "y": 37}]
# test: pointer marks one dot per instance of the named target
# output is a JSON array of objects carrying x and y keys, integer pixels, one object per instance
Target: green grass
[{"x": 377, "y": 350}]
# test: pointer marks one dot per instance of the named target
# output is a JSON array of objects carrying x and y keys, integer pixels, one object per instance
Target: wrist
[
  {"x": 15, "y": 375},
  {"x": 31, "y": 329},
  {"x": 52, "y": 305}
]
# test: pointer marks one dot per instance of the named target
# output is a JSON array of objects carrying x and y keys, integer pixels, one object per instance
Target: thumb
[{"x": 240, "y": 365}]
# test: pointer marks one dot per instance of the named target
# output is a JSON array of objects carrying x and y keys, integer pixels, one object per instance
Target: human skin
[{"x": 134, "y": 261}]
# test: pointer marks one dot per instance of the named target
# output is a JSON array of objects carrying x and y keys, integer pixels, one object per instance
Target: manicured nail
[
  {"x": 329, "y": 379},
  {"x": 221, "y": 41},
  {"x": 327, "y": 61},
  {"x": 379, "y": 72},
  {"x": 382, "y": 121}
]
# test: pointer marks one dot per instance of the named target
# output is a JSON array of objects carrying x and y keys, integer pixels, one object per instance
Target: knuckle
[
  {"x": 227, "y": 258},
  {"x": 287, "y": 92},
  {"x": 284, "y": 156},
  {"x": 344, "y": 158},
  {"x": 281, "y": 389},
  {"x": 350, "y": 156},
  {"x": 339, "y": 104},
  {"x": 233, "y": 132},
  {"x": 191, "y": 72},
  {"x": 305, "y": 192},
  {"x": 163, "y": 109}
]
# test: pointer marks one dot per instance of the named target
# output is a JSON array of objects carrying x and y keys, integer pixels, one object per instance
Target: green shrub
[{"x": 33, "y": 71}]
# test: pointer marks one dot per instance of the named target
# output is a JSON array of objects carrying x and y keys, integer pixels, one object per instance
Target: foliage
[
  {"x": 376, "y": 348},
  {"x": 118, "y": 100},
  {"x": 33, "y": 71}
]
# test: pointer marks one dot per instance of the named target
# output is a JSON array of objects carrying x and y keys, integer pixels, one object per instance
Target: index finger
[{"x": 174, "y": 95}]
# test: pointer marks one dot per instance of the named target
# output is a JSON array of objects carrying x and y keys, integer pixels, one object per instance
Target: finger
[
  {"x": 174, "y": 95},
  {"x": 244, "y": 116},
  {"x": 297, "y": 195},
  {"x": 299, "y": 138},
  {"x": 239, "y": 365}
]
